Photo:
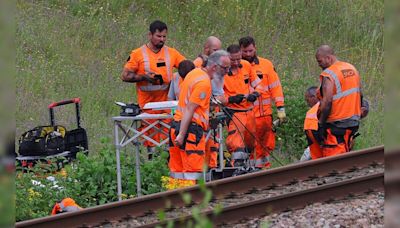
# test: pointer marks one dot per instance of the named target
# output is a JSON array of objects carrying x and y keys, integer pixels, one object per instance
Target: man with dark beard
[
  {"x": 150, "y": 67},
  {"x": 271, "y": 91}
]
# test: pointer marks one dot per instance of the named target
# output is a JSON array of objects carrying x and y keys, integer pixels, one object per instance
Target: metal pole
[
  {"x": 137, "y": 164},
  {"x": 117, "y": 148},
  {"x": 221, "y": 148}
]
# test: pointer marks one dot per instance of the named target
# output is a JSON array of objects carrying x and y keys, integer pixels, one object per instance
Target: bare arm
[
  {"x": 130, "y": 76},
  {"x": 187, "y": 118},
  {"x": 326, "y": 102}
]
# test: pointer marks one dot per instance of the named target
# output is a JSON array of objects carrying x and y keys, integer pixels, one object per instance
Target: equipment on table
[{"x": 129, "y": 109}]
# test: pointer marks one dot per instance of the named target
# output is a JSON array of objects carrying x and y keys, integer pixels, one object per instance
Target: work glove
[
  {"x": 237, "y": 99},
  {"x": 158, "y": 78},
  {"x": 149, "y": 78},
  {"x": 253, "y": 96},
  {"x": 281, "y": 114}
]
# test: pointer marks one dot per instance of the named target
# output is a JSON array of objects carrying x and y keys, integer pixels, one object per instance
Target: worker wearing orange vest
[
  {"x": 340, "y": 97},
  {"x": 311, "y": 123},
  {"x": 66, "y": 205},
  {"x": 271, "y": 91},
  {"x": 191, "y": 120},
  {"x": 183, "y": 69},
  {"x": 150, "y": 67},
  {"x": 211, "y": 45},
  {"x": 239, "y": 86}
]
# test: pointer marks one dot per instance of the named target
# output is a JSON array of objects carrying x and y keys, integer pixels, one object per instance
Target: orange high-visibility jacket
[
  {"x": 311, "y": 120},
  {"x": 241, "y": 83},
  {"x": 270, "y": 89},
  {"x": 196, "y": 88},
  {"x": 311, "y": 124},
  {"x": 66, "y": 205},
  {"x": 143, "y": 61},
  {"x": 346, "y": 103}
]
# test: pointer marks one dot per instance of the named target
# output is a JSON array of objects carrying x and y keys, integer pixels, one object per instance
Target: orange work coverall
[
  {"x": 241, "y": 129},
  {"x": 144, "y": 61},
  {"x": 186, "y": 162},
  {"x": 271, "y": 92}
]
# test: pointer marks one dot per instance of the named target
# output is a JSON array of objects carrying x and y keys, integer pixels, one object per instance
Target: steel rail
[
  {"x": 286, "y": 202},
  {"x": 220, "y": 188}
]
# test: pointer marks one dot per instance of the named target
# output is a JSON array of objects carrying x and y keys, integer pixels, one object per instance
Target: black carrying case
[{"x": 35, "y": 143}]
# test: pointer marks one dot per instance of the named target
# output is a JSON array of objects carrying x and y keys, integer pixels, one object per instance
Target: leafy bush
[{"x": 89, "y": 180}]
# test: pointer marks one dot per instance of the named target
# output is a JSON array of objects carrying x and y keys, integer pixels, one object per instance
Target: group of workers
[{"x": 244, "y": 86}]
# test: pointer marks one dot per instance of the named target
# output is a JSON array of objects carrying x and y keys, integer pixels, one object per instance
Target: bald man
[
  {"x": 211, "y": 45},
  {"x": 340, "y": 102}
]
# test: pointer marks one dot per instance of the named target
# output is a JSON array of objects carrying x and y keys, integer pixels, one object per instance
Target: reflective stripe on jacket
[
  {"x": 270, "y": 87},
  {"x": 311, "y": 120}
]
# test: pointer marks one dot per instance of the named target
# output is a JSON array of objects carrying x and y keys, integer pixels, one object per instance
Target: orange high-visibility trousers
[
  {"x": 315, "y": 148},
  {"x": 241, "y": 132},
  {"x": 211, "y": 152},
  {"x": 265, "y": 143},
  {"x": 333, "y": 145},
  {"x": 187, "y": 162}
]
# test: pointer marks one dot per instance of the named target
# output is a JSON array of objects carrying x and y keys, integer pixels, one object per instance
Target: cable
[
  {"x": 224, "y": 109},
  {"x": 216, "y": 101}
]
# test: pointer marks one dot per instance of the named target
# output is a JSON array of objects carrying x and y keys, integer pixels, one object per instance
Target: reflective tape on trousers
[
  {"x": 186, "y": 175},
  {"x": 260, "y": 161},
  {"x": 176, "y": 175},
  {"x": 239, "y": 155},
  {"x": 277, "y": 99}
]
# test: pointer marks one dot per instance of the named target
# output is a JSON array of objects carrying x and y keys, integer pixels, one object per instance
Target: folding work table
[{"x": 131, "y": 134}]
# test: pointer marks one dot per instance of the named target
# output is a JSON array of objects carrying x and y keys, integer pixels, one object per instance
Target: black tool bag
[
  {"x": 42, "y": 141},
  {"x": 76, "y": 139},
  {"x": 130, "y": 110},
  {"x": 55, "y": 139}
]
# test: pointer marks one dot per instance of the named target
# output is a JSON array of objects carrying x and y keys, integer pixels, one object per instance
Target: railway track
[{"x": 368, "y": 163}]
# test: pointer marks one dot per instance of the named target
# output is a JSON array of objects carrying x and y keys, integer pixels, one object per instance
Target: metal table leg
[
  {"x": 117, "y": 149},
  {"x": 137, "y": 165}
]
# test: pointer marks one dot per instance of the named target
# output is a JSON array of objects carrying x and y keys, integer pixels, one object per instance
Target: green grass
[{"x": 76, "y": 48}]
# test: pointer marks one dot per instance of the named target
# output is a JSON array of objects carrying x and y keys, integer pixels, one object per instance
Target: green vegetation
[
  {"x": 76, "y": 48},
  {"x": 90, "y": 181}
]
